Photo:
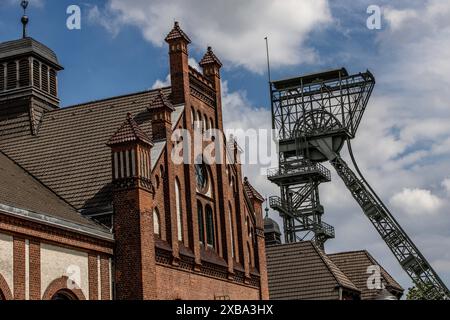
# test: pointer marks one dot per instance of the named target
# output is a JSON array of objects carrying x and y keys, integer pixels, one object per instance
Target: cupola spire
[{"x": 24, "y": 5}]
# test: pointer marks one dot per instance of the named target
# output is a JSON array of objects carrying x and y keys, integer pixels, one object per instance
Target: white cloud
[
  {"x": 104, "y": 19},
  {"x": 236, "y": 29},
  {"x": 161, "y": 83},
  {"x": 166, "y": 82},
  {"x": 194, "y": 64},
  {"x": 417, "y": 202},
  {"x": 398, "y": 18},
  {"x": 446, "y": 185}
]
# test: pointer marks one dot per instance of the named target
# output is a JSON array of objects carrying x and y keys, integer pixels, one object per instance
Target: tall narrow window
[
  {"x": 192, "y": 118},
  {"x": 24, "y": 72},
  {"x": 230, "y": 221},
  {"x": 36, "y": 74},
  {"x": 209, "y": 226},
  {"x": 199, "y": 120},
  {"x": 201, "y": 227},
  {"x": 156, "y": 228},
  {"x": 205, "y": 123},
  {"x": 11, "y": 75},
  {"x": 2, "y": 77},
  {"x": 44, "y": 77},
  {"x": 179, "y": 212},
  {"x": 53, "y": 85}
]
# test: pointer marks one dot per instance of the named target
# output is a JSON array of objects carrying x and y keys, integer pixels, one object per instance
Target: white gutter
[{"x": 56, "y": 222}]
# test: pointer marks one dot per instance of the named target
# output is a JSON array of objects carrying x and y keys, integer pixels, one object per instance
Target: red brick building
[{"x": 92, "y": 205}]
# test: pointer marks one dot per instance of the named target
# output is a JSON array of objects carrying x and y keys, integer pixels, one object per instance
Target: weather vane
[{"x": 24, "y": 5}]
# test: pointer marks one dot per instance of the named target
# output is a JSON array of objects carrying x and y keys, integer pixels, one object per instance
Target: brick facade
[{"x": 218, "y": 252}]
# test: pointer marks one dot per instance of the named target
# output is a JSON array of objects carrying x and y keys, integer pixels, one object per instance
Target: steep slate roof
[
  {"x": 302, "y": 271},
  {"x": 251, "y": 191},
  {"x": 177, "y": 33},
  {"x": 354, "y": 264},
  {"x": 70, "y": 155},
  {"x": 20, "y": 190},
  {"x": 209, "y": 58},
  {"x": 27, "y": 46},
  {"x": 161, "y": 101},
  {"x": 129, "y": 131}
]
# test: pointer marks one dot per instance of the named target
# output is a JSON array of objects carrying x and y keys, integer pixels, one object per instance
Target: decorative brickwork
[
  {"x": 63, "y": 285},
  {"x": 171, "y": 237}
]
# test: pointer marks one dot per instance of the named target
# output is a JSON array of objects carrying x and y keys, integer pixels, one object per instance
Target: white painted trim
[
  {"x": 110, "y": 279},
  {"x": 53, "y": 221},
  {"x": 27, "y": 269},
  {"x": 99, "y": 279}
]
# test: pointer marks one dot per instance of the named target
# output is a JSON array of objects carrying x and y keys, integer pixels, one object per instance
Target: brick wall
[{"x": 176, "y": 284}]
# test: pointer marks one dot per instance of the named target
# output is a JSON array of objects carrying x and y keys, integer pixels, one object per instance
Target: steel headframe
[{"x": 314, "y": 115}]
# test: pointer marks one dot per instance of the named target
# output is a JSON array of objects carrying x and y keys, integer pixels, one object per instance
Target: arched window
[
  {"x": 192, "y": 117},
  {"x": 205, "y": 124},
  {"x": 230, "y": 221},
  {"x": 156, "y": 227},
  {"x": 199, "y": 120},
  {"x": 161, "y": 170},
  {"x": 209, "y": 226},
  {"x": 211, "y": 123},
  {"x": 157, "y": 181},
  {"x": 179, "y": 211},
  {"x": 201, "y": 226},
  {"x": 249, "y": 255}
]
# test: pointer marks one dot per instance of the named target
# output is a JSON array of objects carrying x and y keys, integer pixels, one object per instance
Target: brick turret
[
  {"x": 179, "y": 67},
  {"x": 135, "y": 276},
  {"x": 161, "y": 110}
]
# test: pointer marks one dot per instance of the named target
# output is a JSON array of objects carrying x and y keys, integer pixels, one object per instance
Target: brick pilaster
[
  {"x": 19, "y": 268},
  {"x": 35, "y": 270}
]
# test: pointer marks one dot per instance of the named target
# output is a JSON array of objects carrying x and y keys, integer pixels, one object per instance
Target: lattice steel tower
[{"x": 314, "y": 115}]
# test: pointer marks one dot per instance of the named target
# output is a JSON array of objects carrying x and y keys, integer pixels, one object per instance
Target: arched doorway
[
  {"x": 59, "y": 290},
  {"x": 5, "y": 292},
  {"x": 64, "y": 295}
]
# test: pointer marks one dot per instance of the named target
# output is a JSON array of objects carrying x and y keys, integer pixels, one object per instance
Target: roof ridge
[
  {"x": 374, "y": 261},
  {"x": 121, "y": 135},
  {"x": 177, "y": 33},
  {"x": 255, "y": 192},
  {"x": 345, "y": 252},
  {"x": 209, "y": 57},
  {"x": 85, "y": 104},
  {"x": 323, "y": 256},
  {"x": 160, "y": 101}
]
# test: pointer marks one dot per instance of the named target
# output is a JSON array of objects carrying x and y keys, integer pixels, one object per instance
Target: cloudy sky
[{"x": 403, "y": 144}]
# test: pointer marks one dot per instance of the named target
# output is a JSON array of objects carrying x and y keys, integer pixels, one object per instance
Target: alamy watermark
[
  {"x": 73, "y": 21},
  {"x": 374, "y": 281},
  {"x": 373, "y": 22},
  {"x": 210, "y": 146}
]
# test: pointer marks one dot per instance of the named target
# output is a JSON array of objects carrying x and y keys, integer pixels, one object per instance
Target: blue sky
[
  {"x": 403, "y": 143},
  {"x": 100, "y": 64}
]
